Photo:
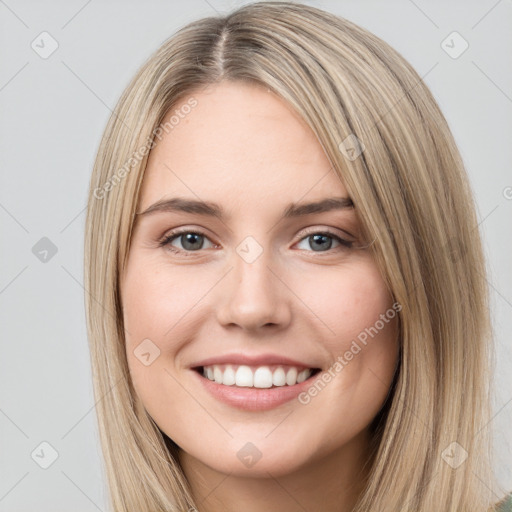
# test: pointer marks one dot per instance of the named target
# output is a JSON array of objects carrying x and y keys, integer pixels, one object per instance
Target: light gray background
[{"x": 53, "y": 112}]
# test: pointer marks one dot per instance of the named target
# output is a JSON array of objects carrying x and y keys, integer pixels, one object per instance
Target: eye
[
  {"x": 193, "y": 241},
  {"x": 323, "y": 240}
]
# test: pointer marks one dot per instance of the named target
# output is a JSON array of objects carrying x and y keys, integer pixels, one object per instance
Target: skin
[{"x": 243, "y": 148}]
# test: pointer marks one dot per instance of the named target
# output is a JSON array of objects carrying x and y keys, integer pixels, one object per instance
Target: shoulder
[{"x": 505, "y": 505}]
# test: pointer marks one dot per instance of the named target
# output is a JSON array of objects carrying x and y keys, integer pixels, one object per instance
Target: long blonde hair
[{"x": 412, "y": 196}]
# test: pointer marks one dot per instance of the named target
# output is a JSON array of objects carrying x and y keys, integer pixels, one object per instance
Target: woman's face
[{"x": 264, "y": 293}]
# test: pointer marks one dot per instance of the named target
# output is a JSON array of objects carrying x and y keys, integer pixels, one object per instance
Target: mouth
[{"x": 257, "y": 377}]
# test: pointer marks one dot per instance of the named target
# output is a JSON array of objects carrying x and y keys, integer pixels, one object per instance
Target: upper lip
[{"x": 256, "y": 360}]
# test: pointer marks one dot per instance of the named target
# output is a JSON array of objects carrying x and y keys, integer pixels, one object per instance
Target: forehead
[{"x": 239, "y": 143}]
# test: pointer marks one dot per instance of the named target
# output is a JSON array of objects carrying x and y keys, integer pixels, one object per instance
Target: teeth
[
  {"x": 244, "y": 377},
  {"x": 229, "y": 377},
  {"x": 279, "y": 377},
  {"x": 260, "y": 377},
  {"x": 291, "y": 376},
  {"x": 303, "y": 375},
  {"x": 217, "y": 374}
]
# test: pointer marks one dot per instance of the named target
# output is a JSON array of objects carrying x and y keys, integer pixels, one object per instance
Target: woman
[{"x": 287, "y": 304}]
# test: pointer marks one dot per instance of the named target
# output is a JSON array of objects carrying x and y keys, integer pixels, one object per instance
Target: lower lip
[{"x": 254, "y": 399}]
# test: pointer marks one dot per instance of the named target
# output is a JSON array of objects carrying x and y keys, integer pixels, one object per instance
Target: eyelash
[{"x": 170, "y": 237}]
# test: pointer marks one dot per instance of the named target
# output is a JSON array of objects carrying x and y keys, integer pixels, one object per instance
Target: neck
[{"x": 329, "y": 483}]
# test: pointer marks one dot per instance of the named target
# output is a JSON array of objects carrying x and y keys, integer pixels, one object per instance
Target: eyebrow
[{"x": 179, "y": 204}]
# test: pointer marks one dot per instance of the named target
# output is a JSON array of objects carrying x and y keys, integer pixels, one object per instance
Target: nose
[{"x": 253, "y": 295}]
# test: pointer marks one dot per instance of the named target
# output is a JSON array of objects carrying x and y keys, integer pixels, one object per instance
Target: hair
[{"x": 411, "y": 194}]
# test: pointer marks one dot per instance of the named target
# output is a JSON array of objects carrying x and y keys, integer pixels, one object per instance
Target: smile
[{"x": 257, "y": 388}]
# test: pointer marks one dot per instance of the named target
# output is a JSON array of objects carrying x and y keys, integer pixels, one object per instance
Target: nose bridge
[{"x": 253, "y": 296}]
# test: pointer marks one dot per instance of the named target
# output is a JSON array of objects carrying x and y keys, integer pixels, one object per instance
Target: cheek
[
  {"x": 162, "y": 304},
  {"x": 348, "y": 302},
  {"x": 360, "y": 335},
  {"x": 153, "y": 303},
  {"x": 155, "y": 299}
]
